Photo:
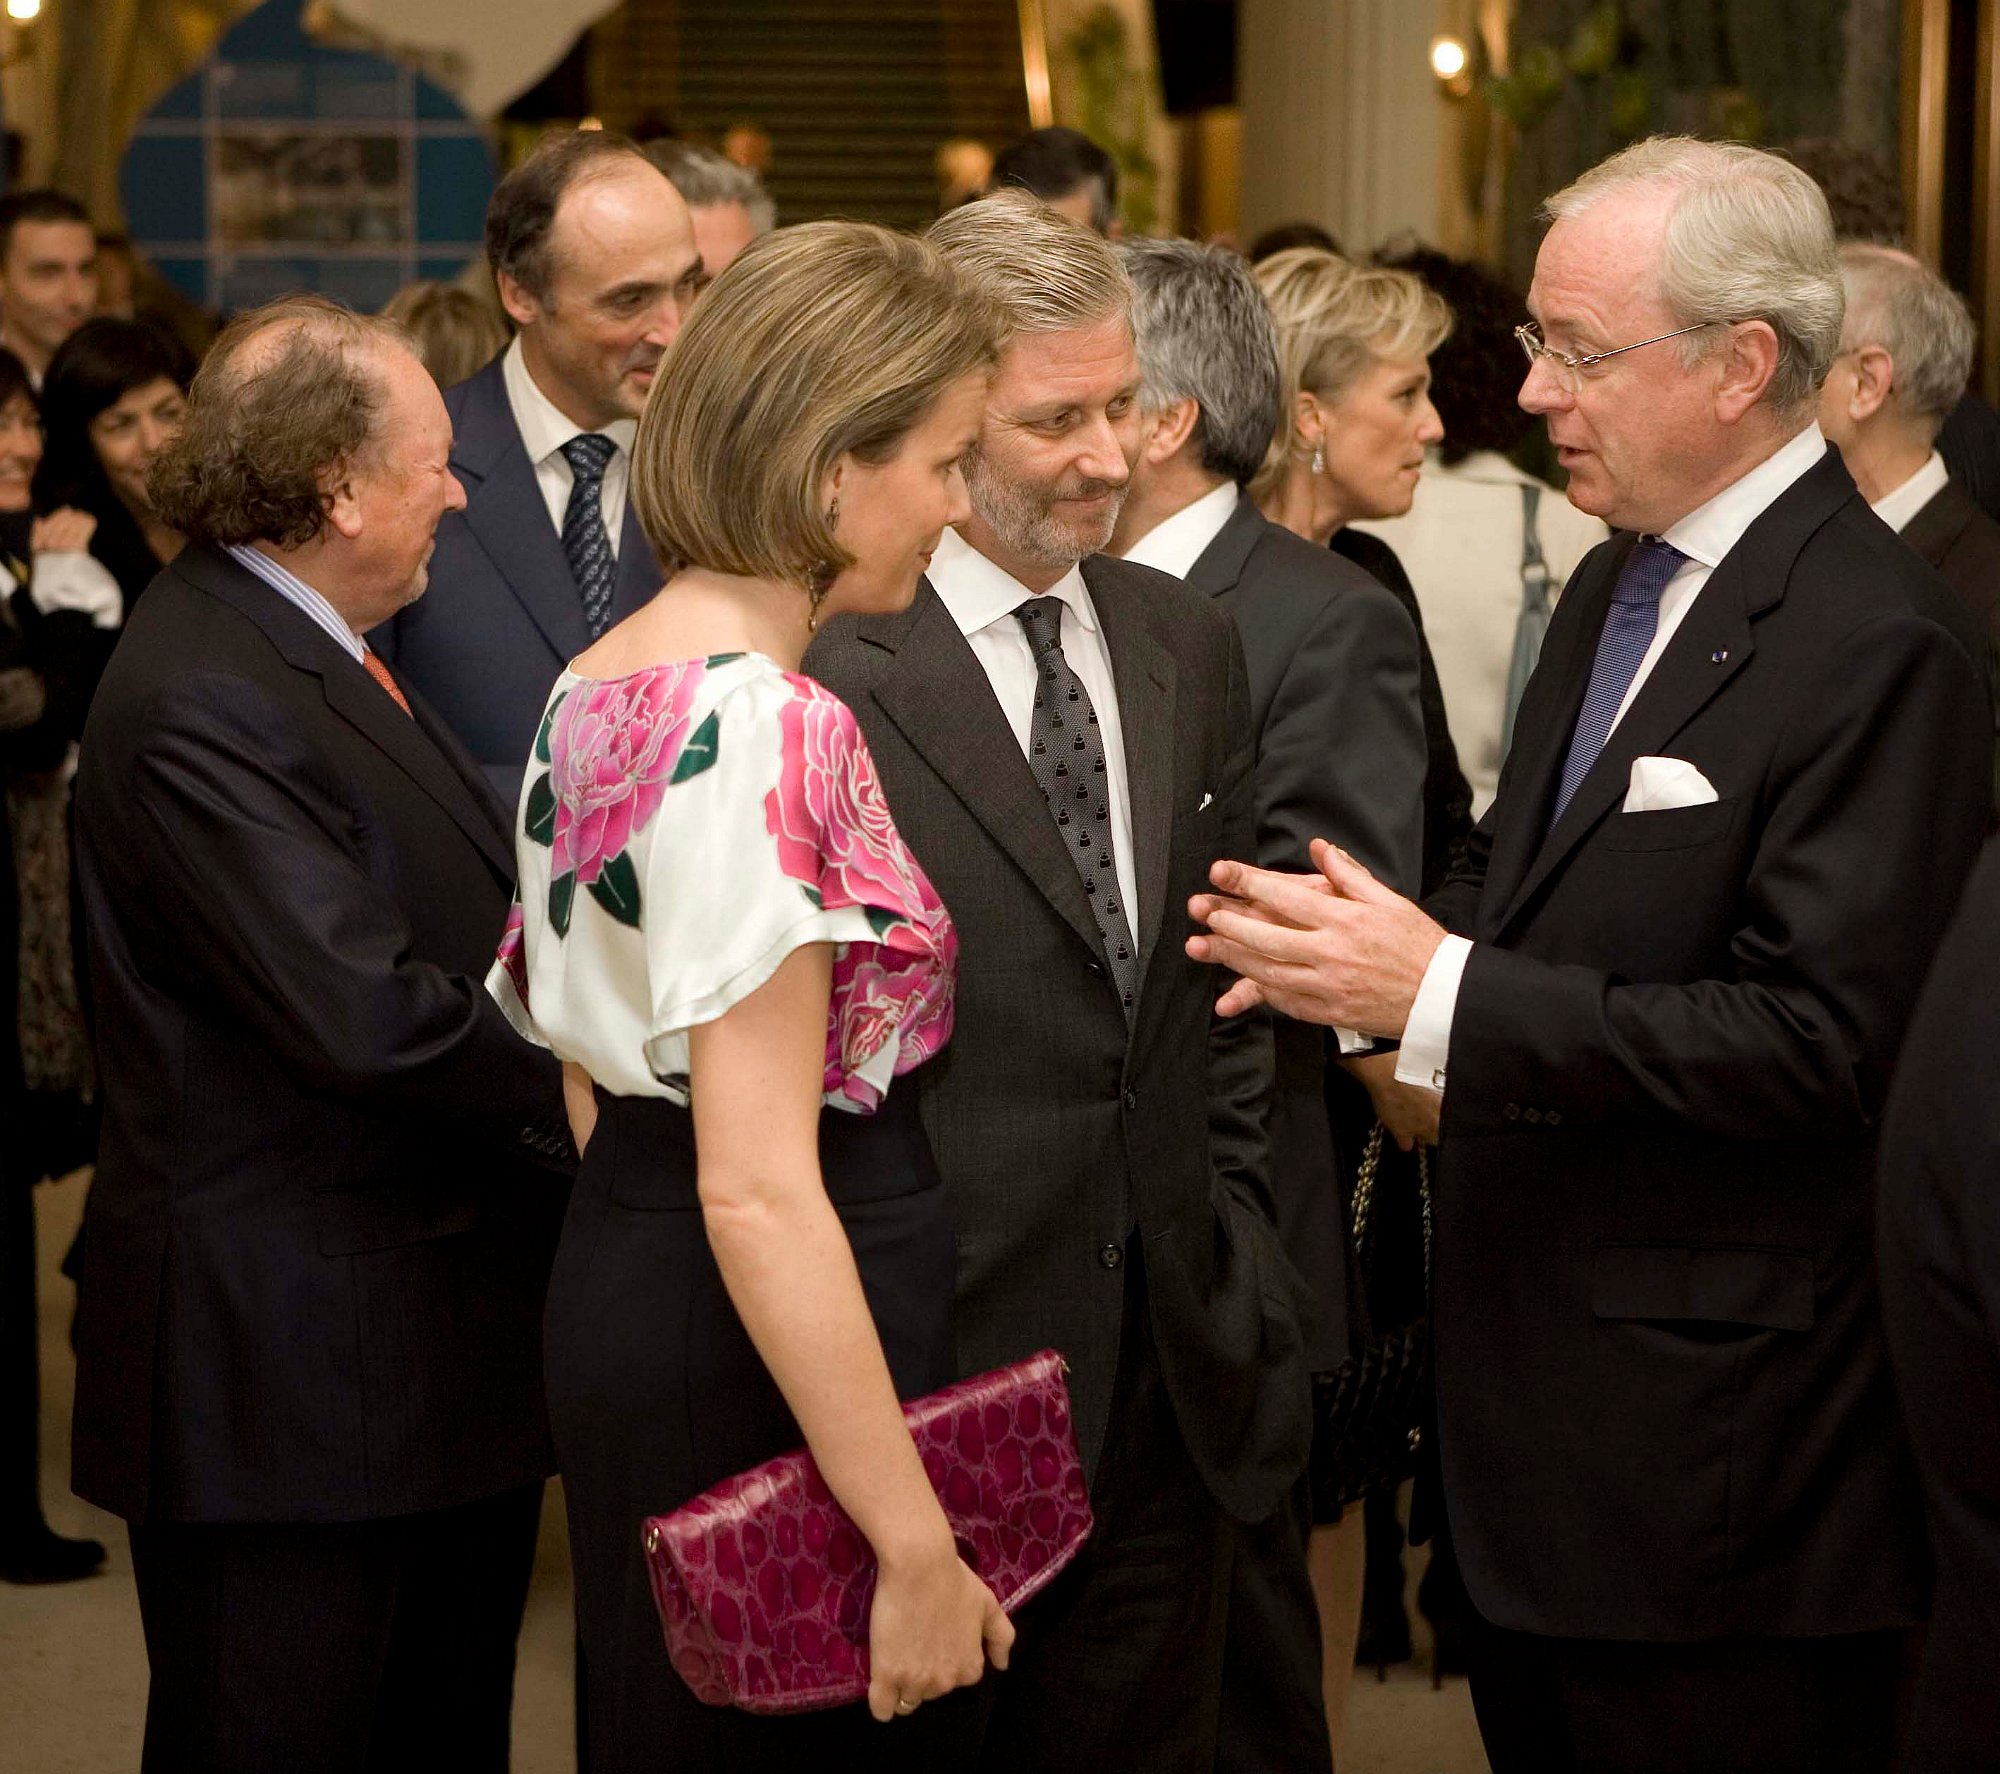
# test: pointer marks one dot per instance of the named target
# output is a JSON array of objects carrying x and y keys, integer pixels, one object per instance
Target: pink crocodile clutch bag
[{"x": 764, "y": 1584}]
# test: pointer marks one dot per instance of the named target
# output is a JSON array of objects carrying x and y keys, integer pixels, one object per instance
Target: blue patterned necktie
[
  {"x": 1066, "y": 753},
  {"x": 584, "y": 538},
  {"x": 1629, "y": 627}
]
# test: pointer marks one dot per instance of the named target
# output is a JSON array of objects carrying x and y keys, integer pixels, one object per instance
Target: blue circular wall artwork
[{"x": 283, "y": 165}]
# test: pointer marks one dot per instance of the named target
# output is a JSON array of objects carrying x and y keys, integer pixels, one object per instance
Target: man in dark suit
[
  {"x": 1939, "y": 1218},
  {"x": 331, "y": 1175},
  {"x": 1333, "y": 668},
  {"x": 1905, "y": 352},
  {"x": 594, "y": 256},
  {"x": 1065, "y": 743},
  {"x": 1746, "y": 786}
]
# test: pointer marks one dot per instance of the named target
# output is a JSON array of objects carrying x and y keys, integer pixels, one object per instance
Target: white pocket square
[
  {"x": 1206, "y": 802},
  {"x": 1659, "y": 784}
]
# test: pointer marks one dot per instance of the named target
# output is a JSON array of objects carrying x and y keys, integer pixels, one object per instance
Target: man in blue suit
[{"x": 594, "y": 256}]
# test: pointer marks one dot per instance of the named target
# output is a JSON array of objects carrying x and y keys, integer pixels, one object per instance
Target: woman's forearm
[{"x": 790, "y": 1273}]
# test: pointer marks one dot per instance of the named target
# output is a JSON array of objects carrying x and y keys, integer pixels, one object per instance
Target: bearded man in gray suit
[{"x": 1065, "y": 743}]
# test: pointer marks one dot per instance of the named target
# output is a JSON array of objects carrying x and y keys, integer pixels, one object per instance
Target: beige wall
[{"x": 1341, "y": 117}]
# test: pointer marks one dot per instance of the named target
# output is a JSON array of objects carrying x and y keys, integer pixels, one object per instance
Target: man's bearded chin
[{"x": 1023, "y": 516}]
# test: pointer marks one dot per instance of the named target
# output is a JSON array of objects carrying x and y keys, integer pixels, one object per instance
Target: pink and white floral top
[{"x": 681, "y": 831}]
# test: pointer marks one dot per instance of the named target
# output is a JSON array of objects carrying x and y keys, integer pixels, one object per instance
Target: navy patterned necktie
[
  {"x": 1629, "y": 627},
  {"x": 584, "y": 538},
  {"x": 1066, "y": 753}
]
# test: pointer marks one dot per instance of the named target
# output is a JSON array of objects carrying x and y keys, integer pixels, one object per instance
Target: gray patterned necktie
[
  {"x": 584, "y": 538},
  {"x": 1066, "y": 753}
]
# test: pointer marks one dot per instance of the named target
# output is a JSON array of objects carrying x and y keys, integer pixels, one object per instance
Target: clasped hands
[{"x": 1337, "y": 948}]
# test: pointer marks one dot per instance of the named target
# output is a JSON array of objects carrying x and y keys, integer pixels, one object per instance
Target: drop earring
[
  {"x": 822, "y": 580},
  {"x": 1319, "y": 459}
]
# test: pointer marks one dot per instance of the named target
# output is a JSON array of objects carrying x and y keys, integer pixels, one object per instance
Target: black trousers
[
  {"x": 1273, "y": 1713},
  {"x": 344, "y": 1648},
  {"x": 1118, "y": 1663},
  {"x": 1726, "y": 1706}
]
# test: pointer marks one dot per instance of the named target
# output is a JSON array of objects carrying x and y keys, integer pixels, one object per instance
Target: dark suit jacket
[
  {"x": 502, "y": 616},
  {"x": 328, "y": 1188},
  {"x": 1969, "y": 441},
  {"x": 1056, "y": 1127},
  {"x": 1939, "y": 1216},
  {"x": 1664, "y": 1400},
  {"x": 1339, "y": 733},
  {"x": 1963, "y": 543}
]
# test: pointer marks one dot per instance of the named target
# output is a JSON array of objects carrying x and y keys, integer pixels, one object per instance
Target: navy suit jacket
[
  {"x": 502, "y": 616},
  {"x": 1664, "y": 1401}
]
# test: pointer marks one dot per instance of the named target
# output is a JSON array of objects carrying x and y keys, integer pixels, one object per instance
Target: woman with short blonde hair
[
  {"x": 1337, "y": 322},
  {"x": 724, "y": 936},
  {"x": 456, "y": 333}
]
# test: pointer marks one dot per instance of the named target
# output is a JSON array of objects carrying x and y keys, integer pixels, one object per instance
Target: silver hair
[
  {"x": 1748, "y": 238},
  {"x": 704, "y": 177},
  {"x": 1050, "y": 274},
  {"x": 1900, "y": 304},
  {"x": 1205, "y": 334}
]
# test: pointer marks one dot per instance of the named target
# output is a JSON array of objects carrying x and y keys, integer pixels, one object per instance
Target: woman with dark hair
[
  {"x": 56, "y": 605},
  {"x": 114, "y": 396}
]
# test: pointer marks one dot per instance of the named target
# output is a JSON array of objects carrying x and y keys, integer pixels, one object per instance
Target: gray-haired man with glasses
[{"x": 1662, "y": 1003}]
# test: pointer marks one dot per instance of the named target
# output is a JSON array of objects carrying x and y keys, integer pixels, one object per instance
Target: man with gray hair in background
[
  {"x": 728, "y": 203},
  {"x": 1064, "y": 739},
  {"x": 1905, "y": 358},
  {"x": 1332, "y": 660},
  {"x": 1662, "y": 1001}
]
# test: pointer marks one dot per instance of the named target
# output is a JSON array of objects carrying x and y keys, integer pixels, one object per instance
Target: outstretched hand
[{"x": 1337, "y": 948}]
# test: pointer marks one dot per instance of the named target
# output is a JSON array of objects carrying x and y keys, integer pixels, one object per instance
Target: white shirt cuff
[
  {"x": 1427, "y": 1035},
  {"x": 1353, "y": 1041},
  {"x": 70, "y": 579}
]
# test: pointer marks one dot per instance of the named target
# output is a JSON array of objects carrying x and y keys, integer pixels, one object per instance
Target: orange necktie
[{"x": 380, "y": 673}]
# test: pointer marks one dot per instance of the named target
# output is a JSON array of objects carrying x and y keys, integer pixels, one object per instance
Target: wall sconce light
[
  {"x": 23, "y": 10},
  {"x": 1451, "y": 63}
]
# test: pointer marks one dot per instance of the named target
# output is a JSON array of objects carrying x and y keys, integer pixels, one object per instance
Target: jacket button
[
  {"x": 1532, "y": 1116},
  {"x": 1512, "y": 1112},
  {"x": 1096, "y": 969},
  {"x": 1552, "y": 1119},
  {"x": 1111, "y": 1256},
  {"x": 1131, "y": 1100}
]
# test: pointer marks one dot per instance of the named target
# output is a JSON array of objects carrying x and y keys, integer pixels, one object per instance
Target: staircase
[{"x": 855, "y": 95}]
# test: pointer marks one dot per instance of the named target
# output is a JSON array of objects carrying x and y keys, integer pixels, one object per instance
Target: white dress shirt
[
  {"x": 982, "y": 599},
  {"x": 1174, "y": 544},
  {"x": 545, "y": 428},
  {"x": 1705, "y": 536},
  {"x": 1897, "y": 508},
  {"x": 295, "y": 591}
]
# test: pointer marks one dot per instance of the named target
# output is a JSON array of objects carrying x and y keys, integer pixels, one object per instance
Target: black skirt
[{"x": 656, "y": 1393}]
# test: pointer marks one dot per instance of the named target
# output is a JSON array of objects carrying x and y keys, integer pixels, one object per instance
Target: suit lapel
[
  {"x": 638, "y": 572},
  {"x": 1143, "y": 673},
  {"x": 1534, "y": 768},
  {"x": 1220, "y": 565},
  {"x": 1711, "y": 646},
  {"x": 361, "y": 702},
  {"x": 509, "y": 518},
  {"x": 938, "y": 696}
]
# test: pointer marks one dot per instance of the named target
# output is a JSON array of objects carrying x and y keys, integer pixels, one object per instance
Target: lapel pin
[{"x": 1718, "y": 656}]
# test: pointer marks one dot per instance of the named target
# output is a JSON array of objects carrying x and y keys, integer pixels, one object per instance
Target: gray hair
[
  {"x": 1748, "y": 238},
  {"x": 705, "y": 178},
  {"x": 1204, "y": 334},
  {"x": 1049, "y": 274},
  {"x": 1900, "y": 304}
]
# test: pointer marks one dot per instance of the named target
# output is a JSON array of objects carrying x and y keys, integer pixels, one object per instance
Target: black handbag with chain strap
[{"x": 1368, "y": 1415}]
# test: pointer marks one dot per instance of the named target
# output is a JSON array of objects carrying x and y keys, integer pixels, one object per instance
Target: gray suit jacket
[
  {"x": 1058, "y": 1128},
  {"x": 1333, "y": 663}
]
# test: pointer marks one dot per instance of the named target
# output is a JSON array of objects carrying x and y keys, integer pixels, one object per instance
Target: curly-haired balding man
[{"x": 309, "y": 1341}]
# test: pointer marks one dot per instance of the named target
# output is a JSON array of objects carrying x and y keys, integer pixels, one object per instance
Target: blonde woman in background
[
  {"x": 456, "y": 333},
  {"x": 1354, "y": 344}
]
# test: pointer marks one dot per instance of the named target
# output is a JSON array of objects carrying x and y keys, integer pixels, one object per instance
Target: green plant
[{"x": 1115, "y": 110}]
